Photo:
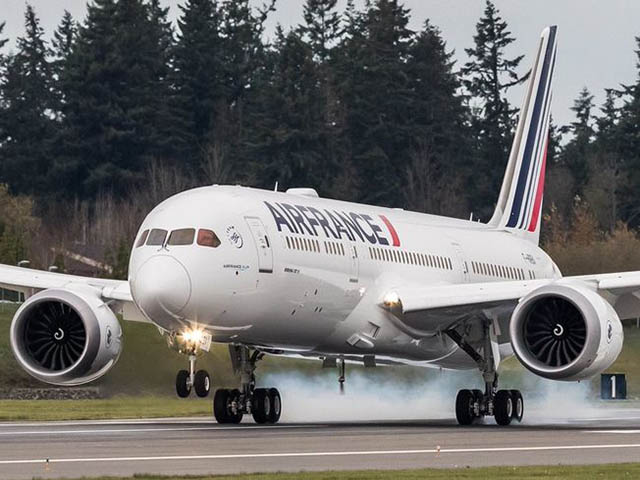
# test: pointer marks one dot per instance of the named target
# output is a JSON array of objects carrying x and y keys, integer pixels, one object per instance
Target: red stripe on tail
[
  {"x": 538, "y": 203},
  {"x": 392, "y": 231}
]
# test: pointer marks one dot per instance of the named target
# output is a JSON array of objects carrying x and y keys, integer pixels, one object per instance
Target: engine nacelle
[
  {"x": 66, "y": 337},
  {"x": 565, "y": 332}
]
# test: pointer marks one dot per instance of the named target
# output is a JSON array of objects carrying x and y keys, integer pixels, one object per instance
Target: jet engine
[
  {"x": 565, "y": 332},
  {"x": 66, "y": 337}
]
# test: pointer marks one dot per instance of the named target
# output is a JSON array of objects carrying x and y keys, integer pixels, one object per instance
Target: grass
[
  {"x": 613, "y": 472},
  {"x": 115, "y": 407}
]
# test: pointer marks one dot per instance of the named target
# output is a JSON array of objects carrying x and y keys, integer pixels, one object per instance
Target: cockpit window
[
  {"x": 156, "y": 237},
  {"x": 207, "y": 238},
  {"x": 184, "y": 236},
  {"x": 142, "y": 239}
]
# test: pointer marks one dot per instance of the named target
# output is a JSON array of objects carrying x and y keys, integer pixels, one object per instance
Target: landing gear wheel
[
  {"x": 518, "y": 405},
  {"x": 221, "y": 406},
  {"x": 503, "y": 407},
  {"x": 202, "y": 383},
  {"x": 276, "y": 405},
  {"x": 464, "y": 407},
  {"x": 261, "y": 408},
  {"x": 478, "y": 398},
  {"x": 234, "y": 396},
  {"x": 183, "y": 385}
]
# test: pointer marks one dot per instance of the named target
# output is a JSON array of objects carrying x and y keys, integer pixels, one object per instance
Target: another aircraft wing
[
  {"x": 435, "y": 307},
  {"x": 29, "y": 281}
]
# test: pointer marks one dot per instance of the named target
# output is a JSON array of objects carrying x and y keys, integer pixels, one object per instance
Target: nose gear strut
[{"x": 187, "y": 379}]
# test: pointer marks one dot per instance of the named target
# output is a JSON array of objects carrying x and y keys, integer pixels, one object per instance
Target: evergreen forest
[{"x": 118, "y": 110}]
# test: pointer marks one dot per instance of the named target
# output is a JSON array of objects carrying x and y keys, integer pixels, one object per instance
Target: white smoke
[{"x": 381, "y": 396}]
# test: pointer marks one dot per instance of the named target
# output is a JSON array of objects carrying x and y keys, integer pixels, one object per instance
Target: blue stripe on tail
[{"x": 533, "y": 128}]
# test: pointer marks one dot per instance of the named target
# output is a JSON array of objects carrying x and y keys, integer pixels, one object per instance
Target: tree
[
  {"x": 489, "y": 74},
  {"x": 321, "y": 27},
  {"x": 375, "y": 91},
  {"x": 440, "y": 150},
  {"x": 576, "y": 152},
  {"x": 3, "y": 41},
  {"x": 286, "y": 140},
  {"x": 198, "y": 73},
  {"x": 18, "y": 226},
  {"x": 61, "y": 47},
  {"x": 113, "y": 115},
  {"x": 628, "y": 138},
  {"x": 25, "y": 121},
  {"x": 605, "y": 178}
]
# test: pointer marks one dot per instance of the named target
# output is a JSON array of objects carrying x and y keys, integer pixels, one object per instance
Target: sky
[{"x": 596, "y": 37}]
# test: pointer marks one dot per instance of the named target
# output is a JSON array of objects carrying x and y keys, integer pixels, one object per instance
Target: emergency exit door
[{"x": 262, "y": 243}]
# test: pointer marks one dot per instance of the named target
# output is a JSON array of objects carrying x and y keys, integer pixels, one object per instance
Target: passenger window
[
  {"x": 142, "y": 239},
  {"x": 156, "y": 237},
  {"x": 184, "y": 236},
  {"x": 207, "y": 238}
]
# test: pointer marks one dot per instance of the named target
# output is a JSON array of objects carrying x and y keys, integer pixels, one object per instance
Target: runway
[{"x": 201, "y": 446}]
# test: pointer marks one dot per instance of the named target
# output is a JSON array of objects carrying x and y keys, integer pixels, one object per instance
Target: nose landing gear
[
  {"x": 264, "y": 404},
  {"x": 188, "y": 379}
]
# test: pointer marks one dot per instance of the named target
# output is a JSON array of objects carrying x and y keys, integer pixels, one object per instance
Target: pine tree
[
  {"x": 628, "y": 136},
  {"x": 489, "y": 74},
  {"x": 3, "y": 41},
  {"x": 374, "y": 89},
  {"x": 576, "y": 153},
  {"x": 61, "y": 48},
  {"x": 115, "y": 88},
  {"x": 25, "y": 121},
  {"x": 439, "y": 117},
  {"x": 198, "y": 74},
  {"x": 285, "y": 143},
  {"x": 321, "y": 28}
]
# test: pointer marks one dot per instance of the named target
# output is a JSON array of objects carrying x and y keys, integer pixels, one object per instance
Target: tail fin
[{"x": 520, "y": 202}]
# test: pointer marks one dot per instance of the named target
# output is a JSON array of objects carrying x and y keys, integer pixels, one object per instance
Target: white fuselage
[{"x": 304, "y": 275}]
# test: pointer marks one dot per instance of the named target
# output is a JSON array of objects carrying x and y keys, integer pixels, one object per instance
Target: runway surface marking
[
  {"x": 320, "y": 454},
  {"x": 611, "y": 431},
  {"x": 160, "y": 429}
]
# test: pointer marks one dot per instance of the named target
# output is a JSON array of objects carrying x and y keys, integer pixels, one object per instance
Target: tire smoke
[{"x": 424, "y": 394}]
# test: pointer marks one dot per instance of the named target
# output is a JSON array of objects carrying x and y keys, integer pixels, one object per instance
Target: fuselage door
[
  {"x": 462, "y": 260},
  {"x": 263, "y": 244},
  {"x": 353, "y": 267}
]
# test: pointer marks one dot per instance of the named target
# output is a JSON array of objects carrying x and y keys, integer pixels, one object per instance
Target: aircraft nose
[{"x": 162, "y": 287}]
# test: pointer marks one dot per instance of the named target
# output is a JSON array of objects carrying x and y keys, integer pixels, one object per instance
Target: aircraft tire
[
  {"x": 518, "y": 405},
  {"x": 276, "y": 405},
  {"x": 261, "y": 405},
  {"x": 183, "y": 389},
  {"x": 234, "y": 396},
  {"x": 221, "y": 406},
  {"x": 503, "y": 407},
  {"x": 202, "y": 383},
  {"x": 464, "y": 407}
]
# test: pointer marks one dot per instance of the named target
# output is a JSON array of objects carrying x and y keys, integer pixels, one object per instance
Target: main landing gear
[
  {"x": 473, "y": 405},
  {"x": 264, "y": 404},
  {"x": 188, "y": 379},
  {"x": 504, "y": 405}
]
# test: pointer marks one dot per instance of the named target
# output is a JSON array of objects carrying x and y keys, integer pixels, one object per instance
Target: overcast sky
[{"x": 596, "y": 37}]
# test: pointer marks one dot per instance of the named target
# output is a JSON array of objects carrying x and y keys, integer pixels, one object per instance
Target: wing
[
  {"x": 434, "y": 308},
  {"x": 114, "y": 292}
]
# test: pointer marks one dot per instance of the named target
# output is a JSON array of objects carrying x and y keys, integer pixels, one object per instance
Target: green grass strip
[{"x": 613, "y": 471}]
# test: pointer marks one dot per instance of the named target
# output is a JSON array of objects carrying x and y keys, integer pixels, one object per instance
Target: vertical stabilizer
[{"x": 520, "y": 203}]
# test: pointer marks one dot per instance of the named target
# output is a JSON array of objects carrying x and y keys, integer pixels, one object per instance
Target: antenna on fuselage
[{"x": 275, "y": 188}]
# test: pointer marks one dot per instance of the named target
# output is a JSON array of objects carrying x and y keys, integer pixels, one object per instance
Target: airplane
[{"x": 293, "y": 274}]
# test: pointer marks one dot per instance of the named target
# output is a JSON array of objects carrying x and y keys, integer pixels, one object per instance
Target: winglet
[{"x": 520, "y": 202}]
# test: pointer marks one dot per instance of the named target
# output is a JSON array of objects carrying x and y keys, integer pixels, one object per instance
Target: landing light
[
  {"x": 391, "y": 300},
  {"x": 192, "y": 336}
]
